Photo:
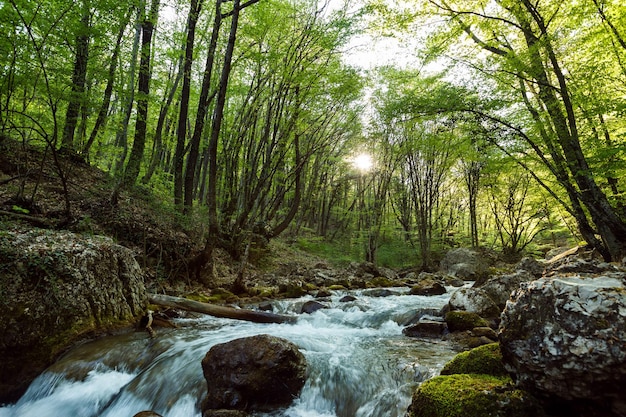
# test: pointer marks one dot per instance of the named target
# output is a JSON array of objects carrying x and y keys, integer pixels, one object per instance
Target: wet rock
[
  {"x": 311, "y": 307},
  {"x": 563, "y": 338},
  {"x": 147, "y": 414},
  {"x": 428, "y": 287},
  {"x": 266, "y": 306},
  {"x": 412, "y": 317},
  {"x": 474, "y": 300},
  {"x": 224, "y": 413},
  {"x": 253, "y": 373},
  {"x": 426, "y": 328},
  {"x": 379, "y": 292},
  {"x": 347, "y": 298},
  {"x": 57, "y": 286}
]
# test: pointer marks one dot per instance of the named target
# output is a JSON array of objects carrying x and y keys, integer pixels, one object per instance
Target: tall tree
[
  {"x": 79, "y": 75},
  {"x": 203, "y": 107},
  {"x": 143, "y": 94},
  {"x": 521, "y": 36},
  {"x": 181, "y": 132}
]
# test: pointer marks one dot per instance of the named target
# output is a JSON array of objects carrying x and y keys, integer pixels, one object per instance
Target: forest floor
[{"x": 62, "y": 192}]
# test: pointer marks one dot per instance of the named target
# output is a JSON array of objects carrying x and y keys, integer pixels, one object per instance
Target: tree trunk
[
  {"x": 181, "y": 133},
  {"x": 158, "y": 133},
  {"x": 143, "y": 89},
  {"x": 203, "y": 105},
  {"x": 121, "y": 137},
  {"x": 218, "y": 115},
  {"x": 108, "y": 91},
  {"x": 78, "y": 79},
  {"x": 610, "y": 227},
  {"x": 219, "y": 311}
]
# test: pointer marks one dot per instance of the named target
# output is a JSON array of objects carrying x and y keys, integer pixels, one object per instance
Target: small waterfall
[{"x": 359, "y": 363}]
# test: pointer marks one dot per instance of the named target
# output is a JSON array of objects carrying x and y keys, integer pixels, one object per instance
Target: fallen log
[{"x": 219, "y": 311}]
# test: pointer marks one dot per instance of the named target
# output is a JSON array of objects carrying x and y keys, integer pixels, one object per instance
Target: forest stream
[{"x": 359, "y": 363}]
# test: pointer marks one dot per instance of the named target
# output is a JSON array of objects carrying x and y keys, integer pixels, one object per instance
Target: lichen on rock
[
  {"x": 563, "y": 338},
  {"x": 56, "y": 286}
]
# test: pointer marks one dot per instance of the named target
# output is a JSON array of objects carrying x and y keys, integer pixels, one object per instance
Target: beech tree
[{"x": 521, "y": 38}]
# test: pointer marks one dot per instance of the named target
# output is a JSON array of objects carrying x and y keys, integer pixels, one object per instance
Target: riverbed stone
[
  {"x": 499, "y": 287},
  {"x": 428, "y": 286},
  {"x": 426, "y": 328},
  {"x": 463, "y": 263},
  {"x": 474, "y": 300},
  {"x": 312, "y": 306},
  {"x": 562, "y": 337},
  {"x": 56, "y": 287},
  {"x": 260, "y": 372},
  {"x": 472, "y": 395},
  {"x": 224, "y": 413}
]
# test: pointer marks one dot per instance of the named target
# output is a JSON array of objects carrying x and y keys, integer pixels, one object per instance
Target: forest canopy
[{"x": 503, "y": 128}]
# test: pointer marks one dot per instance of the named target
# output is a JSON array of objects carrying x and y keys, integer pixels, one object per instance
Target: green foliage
[
  {"x": 336, "y": 252},
  {"x": 19, "y": 209}
]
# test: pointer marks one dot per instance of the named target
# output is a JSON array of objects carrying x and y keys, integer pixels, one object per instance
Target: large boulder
[
  {"x": 463, "y": 263},
  {"x": 563, "y": 338},
  {"x": 55, "y": 288},
  {"x": 474, "y": 300},
  {"x": 253, "y": 373},
  {"x": 499, "y": 288}
]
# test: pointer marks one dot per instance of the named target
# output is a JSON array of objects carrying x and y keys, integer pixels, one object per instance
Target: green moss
[
  {"x": 336, "y": 287},
  {"x": 486, "y": 359},
  {"x": 464, "y": 320},
  {"x": 294, "y": 291},
  {"x": 472, "y": 395},
  {"x": 381, "y": 282}
]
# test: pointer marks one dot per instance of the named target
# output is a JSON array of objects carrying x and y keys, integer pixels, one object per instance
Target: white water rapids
[{"x": 359, "y": 364}]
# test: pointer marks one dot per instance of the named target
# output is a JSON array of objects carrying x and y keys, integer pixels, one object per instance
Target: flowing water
[{"x": 359, "y": 364}]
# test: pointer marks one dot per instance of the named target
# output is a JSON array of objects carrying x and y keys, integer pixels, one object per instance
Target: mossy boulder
[
  {"x": 486, "y": 359},
  {"x": 472, "y": 395},
  {"x": 56, "y": 288},
  {"x": 464, "y": 320}
]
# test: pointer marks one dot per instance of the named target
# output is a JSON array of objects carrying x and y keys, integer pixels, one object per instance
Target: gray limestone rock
[{"x": 564, "y": 337}]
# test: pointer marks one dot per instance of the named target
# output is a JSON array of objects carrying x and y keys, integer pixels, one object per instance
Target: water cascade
[{"x": 359, "y": 363}]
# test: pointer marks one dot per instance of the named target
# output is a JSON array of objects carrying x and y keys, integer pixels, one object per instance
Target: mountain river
[{"x": 359, "y": 363}]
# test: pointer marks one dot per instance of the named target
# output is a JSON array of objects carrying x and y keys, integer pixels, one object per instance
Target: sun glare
[{"x": 363, "y": 162}]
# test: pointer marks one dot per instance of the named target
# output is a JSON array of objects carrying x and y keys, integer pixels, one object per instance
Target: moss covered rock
[
  {"x": 486, "y": 359},
  {"x": 464, "y": 320},
  {"x": 472, "y": 395},
  {"x": 57, "y": 287}
]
